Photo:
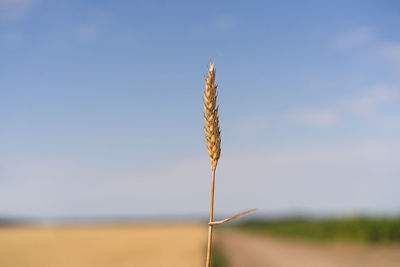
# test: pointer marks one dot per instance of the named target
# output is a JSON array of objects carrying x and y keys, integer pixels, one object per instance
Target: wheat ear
[{"x": 211, "y": 125}]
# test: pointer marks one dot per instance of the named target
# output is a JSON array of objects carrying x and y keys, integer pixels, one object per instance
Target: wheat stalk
[{"x": 213, "y": 138}]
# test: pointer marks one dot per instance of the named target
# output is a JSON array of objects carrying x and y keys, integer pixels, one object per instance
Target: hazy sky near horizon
[{"x": 100, "y": 109}]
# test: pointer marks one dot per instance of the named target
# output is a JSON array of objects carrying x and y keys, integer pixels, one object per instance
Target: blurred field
[{"x": 142, "y": 245}]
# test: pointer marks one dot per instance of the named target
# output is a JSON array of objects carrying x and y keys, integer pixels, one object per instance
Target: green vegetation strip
[
  {"x": 362, "y": 229},
  {"x": 217, "y": 258}
]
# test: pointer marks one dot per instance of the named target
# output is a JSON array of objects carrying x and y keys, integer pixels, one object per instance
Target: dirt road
[{"x": 248, "y": 250}]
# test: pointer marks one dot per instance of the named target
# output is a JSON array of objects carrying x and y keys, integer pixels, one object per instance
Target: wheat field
[{"x": 145, "y": 245}]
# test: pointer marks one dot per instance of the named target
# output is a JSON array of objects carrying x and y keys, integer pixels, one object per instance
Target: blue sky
[{"x": 101, "y": 106}]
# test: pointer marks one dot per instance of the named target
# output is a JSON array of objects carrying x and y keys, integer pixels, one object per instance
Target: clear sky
[{"x": 100, "y": 107}]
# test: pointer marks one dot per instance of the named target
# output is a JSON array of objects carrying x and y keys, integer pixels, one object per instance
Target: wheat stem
[{"x": 210, "y": 226}]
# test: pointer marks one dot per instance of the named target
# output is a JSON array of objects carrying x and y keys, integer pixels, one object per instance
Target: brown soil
[{"x": 249, "y": 250}]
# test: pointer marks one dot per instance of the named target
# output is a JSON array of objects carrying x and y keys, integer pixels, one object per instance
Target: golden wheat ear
[{"x": 211, "y": 121}]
